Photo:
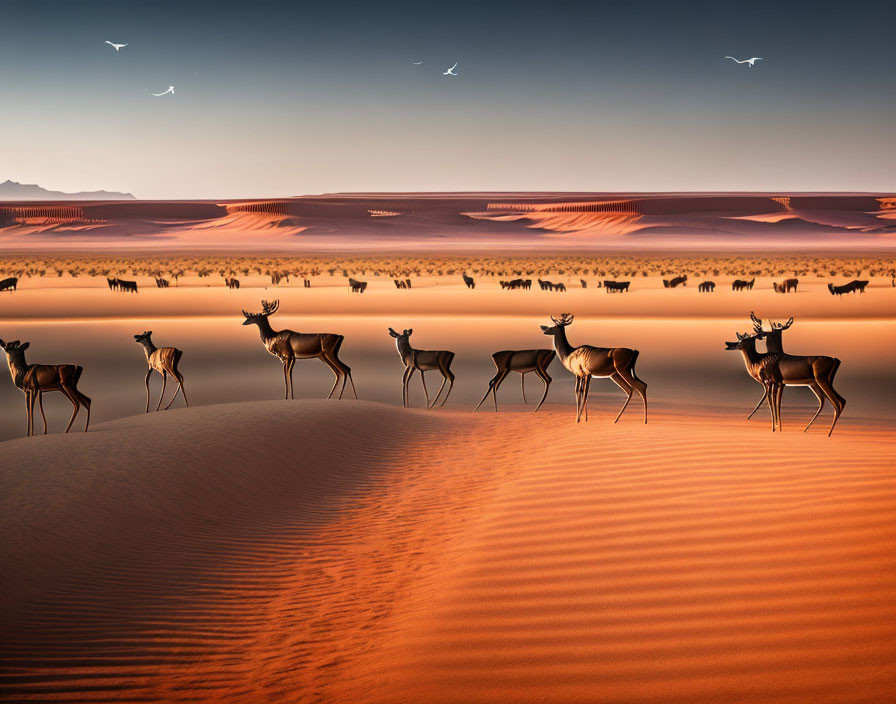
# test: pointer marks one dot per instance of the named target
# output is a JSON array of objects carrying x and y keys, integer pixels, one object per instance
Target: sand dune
[{"x": 351, "y": 551}]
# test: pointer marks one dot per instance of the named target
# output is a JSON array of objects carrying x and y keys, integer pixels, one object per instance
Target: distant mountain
[{"x": 10, "y": 190}]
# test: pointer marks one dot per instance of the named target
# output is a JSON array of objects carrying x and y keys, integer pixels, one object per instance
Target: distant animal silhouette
[
  {"x": 288, "y": 346},
  {"x": 231, "y": 283},
  {"x": 616, "y": 286},
  {"x": 122, "y": 285},
  {"x": 164, "y": 360},
  {"x": 584, "y": 283},
  {"x": 161, "y": 283},
  {"x": 10, "y": 284},
  {"x": 741, "y": 285},
  {"x": 524, "y": 284},
  {"x": 357, "y": 286},
  {"x": 585, "y": 362},
  {"x": 469, "y": 282},
  {"x": 678, "y": 280},
  {"x": 35, "y": 379},
  {"x": 746, "y": 61},
  {"x": 851, "y": 287},
  {"x": 424, "y": 361},
  {"x": 707, "y": 287},
  {"x": 786, "y": 286},
  {"x": 522, "y": 362}
]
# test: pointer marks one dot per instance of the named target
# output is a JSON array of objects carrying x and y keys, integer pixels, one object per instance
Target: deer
[
  {"x": 774, "y": 344},
  {"x": 587, "y": 361},
  {"x": 35, "y": 379},
  {"x": 673, "y": 283},
  {"x": 616, "y": 286},
  {"x": 742, "y": 285},
  {"x": 707, "y": 287},
  {"x": 469, "y": 282},
  {"x": 9, "y": 284},
  {"x": 164, "y": 360},
  {"x": 786, "y": 286},
  {"x": 288, "y": 346},
  {"x": 775, "y": 371},
  {"x": 424, "y": 361},
  {"x": 522, "y": 362}
]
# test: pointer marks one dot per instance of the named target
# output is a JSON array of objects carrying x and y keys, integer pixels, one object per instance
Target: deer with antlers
[
  {"x": 424, "y": 361},
  {"x": 522, "y": 362},
  {"x": 164, "y": 360},
  {"x": 774, "y": 344},
  {"x": 288, "y": 346},
  {"x": 587, "y": 361},
  {"x": 35, "y": 379},
  {"x": 775, "y": 371}
]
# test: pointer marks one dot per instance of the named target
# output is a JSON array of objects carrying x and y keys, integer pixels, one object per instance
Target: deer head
[
  {"x": 143, "y": 337},
  {"x": 267, "y": 308},
  {"x": 743, "y": 340},
  {"x": 559, "y": 323},
  {"x": 405, "y": 334}
]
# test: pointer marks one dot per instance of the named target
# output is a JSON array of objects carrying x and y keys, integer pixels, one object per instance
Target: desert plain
[{"x": 250, "y": 548}]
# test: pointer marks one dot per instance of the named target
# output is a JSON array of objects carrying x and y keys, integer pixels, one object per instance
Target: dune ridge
[{"x": 385, "y": 554}]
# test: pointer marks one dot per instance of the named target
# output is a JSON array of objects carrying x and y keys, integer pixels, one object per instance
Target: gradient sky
[{"x": 287, "y": 98}]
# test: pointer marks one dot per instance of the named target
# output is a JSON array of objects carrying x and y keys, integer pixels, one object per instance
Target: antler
[
  {"x": 565, "y": 319},
  {"x": 757, "y": 322},
  {"x": 269, "y": 307}
]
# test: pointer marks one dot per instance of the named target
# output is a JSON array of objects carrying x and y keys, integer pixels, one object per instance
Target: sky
[{"x": 275, "y": 99}]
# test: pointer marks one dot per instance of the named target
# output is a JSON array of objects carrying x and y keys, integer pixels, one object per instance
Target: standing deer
[
  {"x": 468, "y": 281},
  {"x": 424, "y": 361},
  {"x": 164, "y": 360},
  {"x": 774, "y": 344},
  {"x": 522, "y": 362},
  {"x": 288, "y": 346},
  {"x": 775, "y": 371},
  {"x": 34, "y": 379},
  {"x": 585, "y": 362}
]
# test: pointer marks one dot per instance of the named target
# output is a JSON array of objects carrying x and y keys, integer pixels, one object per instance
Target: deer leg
[
  {"x": 40, "y": 404},
  {"x": 835, "y": 398},
  {"x": 761, "y": 400},
  {"x": 578, "y": 396},
  {"x": 523, "y": 387},
  {"x": 492, "y": 386},
  {"x": 73, "y": 398},
  {"x": 626, "y": 388},
  {"x": 336, "y": 371},
  {"x": 146, "y": 380},
  {"x": 770, "y": 394},
  {"x": 425, "y": 392},
  {"x": 779, "y": 394},
  {"x": 285, "y": 378},
  {"x": 547, "y": 384},
  {"x": 816, "y": 389},
  {"x": 586, "y": 388},
  {"x": 408, "y": 373},
  {"x": 29, "y": 413},
  {"x": 447, "y": 375},
  {"x": 178, "y": 377},
  {"x": 164, "y": 384}
]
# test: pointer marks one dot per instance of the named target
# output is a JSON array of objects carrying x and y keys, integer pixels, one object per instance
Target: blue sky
[{"x": 278, "y": 99}]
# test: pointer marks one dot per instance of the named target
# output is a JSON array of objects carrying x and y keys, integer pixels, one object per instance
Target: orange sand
[{"x": 352, "y": 551}]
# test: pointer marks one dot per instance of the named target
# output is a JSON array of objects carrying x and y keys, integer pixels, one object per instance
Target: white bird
[
  {"x": 170, "y": 90},
  {"x": 746, "y": 61},
  {"x": 416, "y": 63},
  {"x": 117, "y": 47},
  {"x": 450, "y": 71}
]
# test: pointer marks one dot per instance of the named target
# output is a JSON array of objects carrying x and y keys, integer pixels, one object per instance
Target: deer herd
[{"x": 773, "y": 369}]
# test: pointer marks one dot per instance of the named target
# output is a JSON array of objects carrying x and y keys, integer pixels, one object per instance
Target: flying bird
[
  {"x": 117, "y": 47},
  {"x": 170, "y": 90},
  {"x": 450, "y": 71},
  {"x": 746, "y": 61},
  {"x": 416, "y": 63}
]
